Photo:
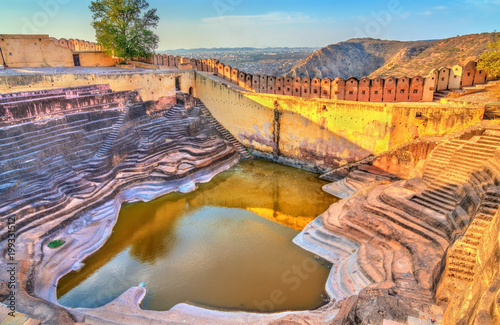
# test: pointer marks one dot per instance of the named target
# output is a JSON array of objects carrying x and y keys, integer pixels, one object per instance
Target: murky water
[{"x": 228, "y": 245}]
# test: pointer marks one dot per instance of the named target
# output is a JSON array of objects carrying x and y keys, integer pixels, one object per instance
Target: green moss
[{"x": 55, "y": 243}]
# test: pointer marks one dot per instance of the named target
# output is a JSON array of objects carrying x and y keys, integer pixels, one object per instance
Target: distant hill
[{"x": 373, "y": 57}]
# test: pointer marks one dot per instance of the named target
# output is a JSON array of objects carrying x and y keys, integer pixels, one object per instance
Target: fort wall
[
  {"x": 313, "y": 133},
  {"x": 390, "y": 89},
  {"x": 44, "y": 51},
  {"x": 150, "y": 85},
  {"x": 319, "y": 134},
  {"x": 34, "y": 51}
]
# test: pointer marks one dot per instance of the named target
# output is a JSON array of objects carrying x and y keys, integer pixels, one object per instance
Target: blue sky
[{"x": 258, "y": 23}]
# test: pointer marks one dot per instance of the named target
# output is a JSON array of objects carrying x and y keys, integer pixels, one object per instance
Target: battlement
[
  {"x": 44, "y": 51},
  {"x": 404, "y": 89}
]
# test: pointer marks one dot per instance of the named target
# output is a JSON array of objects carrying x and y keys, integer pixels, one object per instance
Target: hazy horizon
[{"x": 210, "y": 24}]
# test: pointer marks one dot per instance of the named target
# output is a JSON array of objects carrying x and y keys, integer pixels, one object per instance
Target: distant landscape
[
  {"x": 373, "y": 57},
  {"x": 355, "y": 57},
  {"x": 268, "y": 61}
]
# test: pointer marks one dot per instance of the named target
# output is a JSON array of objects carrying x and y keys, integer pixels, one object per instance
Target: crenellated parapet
[
  {"x": 77, "y": 45},
  {"x": 389, "y": 89}
]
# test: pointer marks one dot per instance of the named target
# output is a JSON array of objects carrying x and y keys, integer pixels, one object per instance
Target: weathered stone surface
[
  {"x": 65, "y": 176},
  {"x": 65, "y": 173},
  {"x": 401, "y": 232}
]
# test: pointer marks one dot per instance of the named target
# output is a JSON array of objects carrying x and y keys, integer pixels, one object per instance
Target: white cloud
[
  {"x": 272, "y": 18},
  {"x": 432, "y": 11}
]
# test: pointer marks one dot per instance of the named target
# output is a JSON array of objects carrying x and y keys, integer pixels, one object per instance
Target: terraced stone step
[
  {"x": 402, "y": 220},
  {"x": 480, "y": 148},
  {"x": 464, "y": 271},
  {"x": 460, "y": 276},
  {"x": 467, "y": 161},
  {"x": 443, "y": 194},
  {"x": 487, "y": 210},
  {"x": 487, "y": 141},
  {"x": 433, "y": 204},
  {"x": 461, "y": 256},
  {"x": 435, "y": 196}
]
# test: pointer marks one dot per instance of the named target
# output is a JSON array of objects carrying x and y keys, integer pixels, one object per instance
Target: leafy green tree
[
  {"x": 123, "y": 27},
  {"x": 490, "y": 61}
]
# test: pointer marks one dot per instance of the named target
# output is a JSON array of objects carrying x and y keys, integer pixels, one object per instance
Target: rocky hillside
[{"x": 373, "y": 57}]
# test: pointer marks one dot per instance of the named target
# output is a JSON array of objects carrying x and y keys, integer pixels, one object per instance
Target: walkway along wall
[
  {"x": 388, "y": 89},
  {"x": 319, "y": 134}
]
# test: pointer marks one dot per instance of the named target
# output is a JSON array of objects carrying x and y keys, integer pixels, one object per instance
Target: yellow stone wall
[
  {"x": 316, "y": 134},
  {"x": 322, "y": 133},
  {"x": 249, "y": 121},
  {"x": 436, "y": 119},
  {"x": 34, "y": 51},
  {"x": 150, "y": 85},
  {"x": 95, "y": 59}
]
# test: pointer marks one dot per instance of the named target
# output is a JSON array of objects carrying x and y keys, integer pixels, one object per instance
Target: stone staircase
[
  {"x": 108, "y": 143},
  {"x": 438, "y": 95},
  {"x": 403, "y": 229},
  {"x": 452, "y": 166},
  {"x": 245, "y": 154},
  {"x": 462, "y": 257}
]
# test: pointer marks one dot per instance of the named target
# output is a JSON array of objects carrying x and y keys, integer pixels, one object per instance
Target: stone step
[
  {"x": 484, "y": 217},
  {"x": 460, "y": 256},
  {"x": 465, "y": 271},
  {"x": 480, "y": 147},
  {"x": 401, "y": 219},
  {"x": 460, "y": 276},
  {"x": 487, "y": 210},
  {"x": 491, "y": 142},
  {"x": 435, "y": 197},
  {"x": 430, "y": 204},
  {"x": 471, "y": 241}
]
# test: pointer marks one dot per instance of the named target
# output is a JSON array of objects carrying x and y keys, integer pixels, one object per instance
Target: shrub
[{"x": 55, "y": 243}]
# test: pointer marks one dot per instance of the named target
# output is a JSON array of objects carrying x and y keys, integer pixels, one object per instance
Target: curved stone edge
[{"x": 84, "y": 239}]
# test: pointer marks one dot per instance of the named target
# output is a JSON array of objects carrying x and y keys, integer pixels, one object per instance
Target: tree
[
  {"x": 490, "y": 61},
  {"x": 123, "y": 29}
]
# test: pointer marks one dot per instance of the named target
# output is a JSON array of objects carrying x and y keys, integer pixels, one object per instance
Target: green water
[{"x": 228, "y": 246}]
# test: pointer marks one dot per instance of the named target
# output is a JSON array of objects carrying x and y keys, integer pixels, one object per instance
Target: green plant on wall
[
  {"x": 123, "y": 27},
  {"x": 55, "y": 243}
]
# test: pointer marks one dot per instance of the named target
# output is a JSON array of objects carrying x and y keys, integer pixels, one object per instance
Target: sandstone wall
[
  {"x": 34, "y": 51},
  {"x": 96, "y": 59},
  {"x": 319, "y": 134},
  {"x": 45, "y": 51},
  {"x": 150, "y": 85},
  {"x": 390, "y": 89}
]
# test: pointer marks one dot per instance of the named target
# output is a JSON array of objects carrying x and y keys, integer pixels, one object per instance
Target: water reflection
[{"x": 210, "y": 248}]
